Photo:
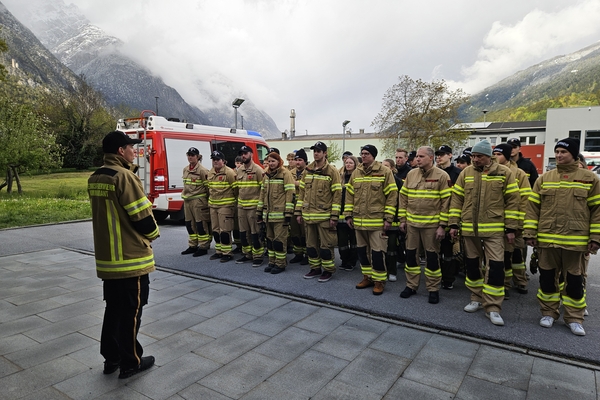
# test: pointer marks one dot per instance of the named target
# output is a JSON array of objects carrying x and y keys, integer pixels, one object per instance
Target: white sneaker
[
  {"x": 392, "y": 278},
  {"x": 577, "y": 328},
  {"x": 585, "y": 313},
  {"x": 495, "y": 318},
  {"x": 473, "y": 306},
  {"x": 547, "y": 321}
]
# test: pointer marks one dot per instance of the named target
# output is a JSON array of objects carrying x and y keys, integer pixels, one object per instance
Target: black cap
[
  {"x": 347, "y": 153},
  {"x": 571, "y": 145},
  {"x": 467, "y": 151},
  {"x": 412, "y": 155},
  {"x": 504, "y": 148},
  {"x": 514, "y": 142},
  {"x": 464, "y": 157},
  {"x": 301, "y": 154},
  {"x": 192, "y": 151},
  {"x": 319, "y": 146},
  {"x": 371, "y": 149},
  {"x": 443, "y": 150},
  {"x": 217, "y": 155},
  {"x": 244, "y": 149},
  {"x": 274, "y": 150},
  {"x": 115, "y": 140}
]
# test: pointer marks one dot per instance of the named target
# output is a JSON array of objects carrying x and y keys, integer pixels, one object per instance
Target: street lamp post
[
  {"x": 346, "y": 122},
  {"x": 156, "y": 98},
  {"x": 484, "y": 112},
  {"x": 242, "y": 117},
  {"x": 236, "y": 104}
]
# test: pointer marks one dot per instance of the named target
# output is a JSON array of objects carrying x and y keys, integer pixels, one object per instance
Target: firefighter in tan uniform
[
  {"x": 124, "y": 228},
  {"x": 370, "y": 208},
  {"x": 249, "y": 180},
  {"x": 318, "y": 207},
  {"x": 297, "y": 231},
  {"x": 563, "y": 222},
  {"x": 221, "y": 200},
  {"x": 276, "y": 208},
  {"x": 195, "y": 204},
  {"x": 485, "y": 204},
  {"x": 514, "y": 264},
  {"x": 424, "y": 205}
]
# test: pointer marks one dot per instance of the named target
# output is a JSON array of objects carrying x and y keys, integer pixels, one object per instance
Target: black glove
[
  {"x": 259, "y": 218},
  {"x": 533, "y": 262},
  {"x": 287, "y": 221}
]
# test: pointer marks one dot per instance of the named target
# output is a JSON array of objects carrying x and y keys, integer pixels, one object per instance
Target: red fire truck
[{"x": 162, "y": 155}]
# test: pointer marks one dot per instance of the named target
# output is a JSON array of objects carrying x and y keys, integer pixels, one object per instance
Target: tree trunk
[
  {"x": 9, "y": 180},
  {"x": 17, "y": 179},
  {"x": 6, "y": 179}
]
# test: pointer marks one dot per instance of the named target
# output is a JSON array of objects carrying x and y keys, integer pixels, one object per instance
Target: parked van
[{"x": 162, "y": 155}]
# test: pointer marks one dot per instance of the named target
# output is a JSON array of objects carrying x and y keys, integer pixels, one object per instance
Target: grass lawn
[{"x": 46, "y": 198}]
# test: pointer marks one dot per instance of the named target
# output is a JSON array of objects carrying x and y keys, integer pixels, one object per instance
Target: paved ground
[{"x": 265, "y": 339}]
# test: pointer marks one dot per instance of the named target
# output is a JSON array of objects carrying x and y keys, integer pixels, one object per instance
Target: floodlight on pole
[
  {"x": 484, "y": 112},
  {"x": 346, "y": 122},
  {"x": 236, "y": 104}
]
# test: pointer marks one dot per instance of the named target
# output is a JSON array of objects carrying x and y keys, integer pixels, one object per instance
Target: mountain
[
  {"x": 87, "y": 50},
  {"x": 27, "y": 60},
  {"x": 575, "y": 75}
]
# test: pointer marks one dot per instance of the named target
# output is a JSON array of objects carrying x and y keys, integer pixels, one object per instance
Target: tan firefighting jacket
[
  {"x": 485, "y": 202},
  {"x": 221, "y": 187},
  {"x": 425, "y": 198},
  {"x": 195, "y": 183},
  {"x": 275, "y": 203},
  {"x": 248, "y": 186},
  {"x": 320, "y": 194},
  {"x": 564, "y": 208},
  {"x": 371, "y": 197},
  {"x": 122, "y": 220},
  {"x": 524, "y": 190}
]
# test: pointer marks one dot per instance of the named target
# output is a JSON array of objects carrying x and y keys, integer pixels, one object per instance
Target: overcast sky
[{"x": 333, "y": 60}]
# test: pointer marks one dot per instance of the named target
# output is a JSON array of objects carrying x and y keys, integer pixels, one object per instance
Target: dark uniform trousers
[{"x": 124, "y": 299}]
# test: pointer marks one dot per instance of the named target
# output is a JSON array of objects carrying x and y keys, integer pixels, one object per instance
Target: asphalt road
[{"x": 520, "y": 313}]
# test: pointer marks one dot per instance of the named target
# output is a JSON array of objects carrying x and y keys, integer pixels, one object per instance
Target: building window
[
  {"x": 523, "y": 139},
  {"x": 472, "y": 142},
  {"x": 482, "y": 139},
  {"x": 592, "y": 141},
  {"x": 503, "y": 139},
  {"x": 575, "y": 135},
  {"x": 531, "y": 139},
  {"x": 493, "y": 141}
]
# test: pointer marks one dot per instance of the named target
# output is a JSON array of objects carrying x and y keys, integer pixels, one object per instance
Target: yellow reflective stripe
[
  {"x": 246, "y": 203},
  {"x": 390, "y": 188},
  {"x": 114, "y": 231},
  {"x": 423, "y": 219},
  {"x": 571, "y": 302},
  {"x": 412, "y": 270},
  {"x": 367, "y": 222},
  {"x": 483, "y": 227},
  {"x": 493, "y": 290},
  {"x": 474, "y": 283},
  {"x": 125, "y": 265},
  {"x": 530, "y": 224},
  {"x": 137, "y": 206},
  {"x": 433, "y": 274},
  {"x": 563, "y": 239},
  {"x": 566, "y": 185},
  {"x": 548, "y": 297},
  {"x": 458, "y": 190}
]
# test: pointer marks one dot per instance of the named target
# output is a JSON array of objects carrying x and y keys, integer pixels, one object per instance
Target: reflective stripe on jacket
[
  {"x": 247, "y": 185},
  {"x": 220, "y": 187},
  {"x": 425, "y": 198},
  {"x": 320, "y": 194},
  {"x": 371, "y": 197},
  {"x": 195, "y": 183},
  {"x": 564, "y": 208},
  {"x": 122, "y": 221},
  {"x": 485, "y": 201},
  {"x": 276, "y": 196}
]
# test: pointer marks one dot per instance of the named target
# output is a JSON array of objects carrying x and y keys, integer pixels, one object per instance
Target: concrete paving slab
[
  {"x": 406, "y": 388},
  {"x": 502, "y": 367},
  {"x": 228, "y": 347},
  {"x": 472, "y": 388},
  {"x": 289, "y": 344},
  {"x": 222, "y": 323}
]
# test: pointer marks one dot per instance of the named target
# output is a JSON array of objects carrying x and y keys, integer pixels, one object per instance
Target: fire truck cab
[{"x": 162, "y": 155}]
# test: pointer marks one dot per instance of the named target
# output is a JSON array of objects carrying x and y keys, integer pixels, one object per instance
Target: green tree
[
  {"x": 417, "y": 113},
  {"x": 81, "y": 121},
  {"x": 27, "y": 143},
  {"x": 334, "y": 152}
]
